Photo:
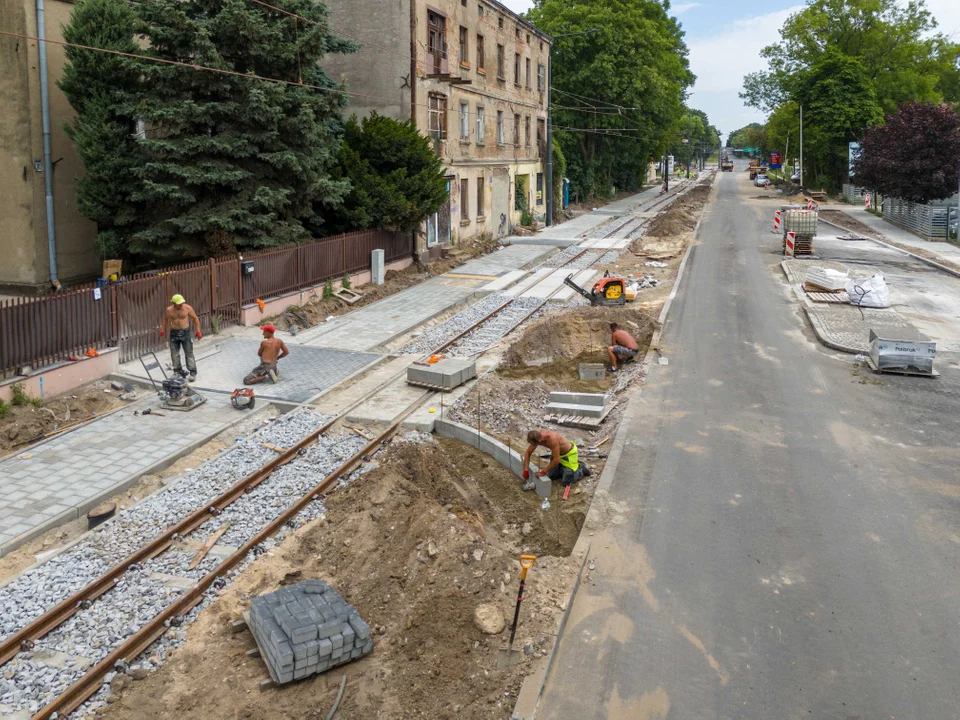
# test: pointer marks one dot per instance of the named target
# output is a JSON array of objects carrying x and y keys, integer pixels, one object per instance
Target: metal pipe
[{"x": 47, "y": 162}]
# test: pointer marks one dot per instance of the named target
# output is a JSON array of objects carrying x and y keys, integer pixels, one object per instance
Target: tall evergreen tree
[
  {"x": 99, "y": 87},
  {"x": 233, "y": 161}
]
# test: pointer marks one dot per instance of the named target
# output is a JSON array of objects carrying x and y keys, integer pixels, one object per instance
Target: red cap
[{"x": 269, "y": 328}]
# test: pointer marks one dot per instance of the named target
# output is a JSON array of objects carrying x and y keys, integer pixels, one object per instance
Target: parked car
[
  {"x": 795, "y": 178},
  {"x": 761, "y": 181}
]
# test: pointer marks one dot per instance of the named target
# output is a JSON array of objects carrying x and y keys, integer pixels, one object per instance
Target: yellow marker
[{"x": 433, "y": 410}]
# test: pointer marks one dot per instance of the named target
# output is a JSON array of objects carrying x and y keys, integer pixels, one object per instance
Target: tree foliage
[
  {"x": 913, "y": 155},
  {"x": 396, "y": 179},
  {"x": 99, "y": 86},
  {"x": 618, "y": 90},
  {"x": 747, "y": 136},
  {"x": 226, "y": 161}
]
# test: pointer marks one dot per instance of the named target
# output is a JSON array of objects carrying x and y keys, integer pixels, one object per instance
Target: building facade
[
  {"x": 473, "y": 76},
  {"x": 23, "y": 218}
]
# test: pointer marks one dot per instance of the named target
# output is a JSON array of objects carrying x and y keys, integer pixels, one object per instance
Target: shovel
[{"x": 509, "y": 656}]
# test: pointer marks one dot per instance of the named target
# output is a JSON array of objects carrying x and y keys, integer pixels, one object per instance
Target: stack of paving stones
[{"x": 306, "y": 629}]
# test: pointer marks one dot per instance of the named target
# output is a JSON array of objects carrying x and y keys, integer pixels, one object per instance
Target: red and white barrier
[
  {"x": 788, "y": 248},
  {"x": 776, "y": 221},
  {"x": 866, "y": 200}
]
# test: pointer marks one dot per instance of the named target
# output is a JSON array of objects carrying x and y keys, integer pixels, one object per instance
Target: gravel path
[
  {"x": 144, "y": 590},
  {"x": 434, "y": 337},
  {"x": 496, "y": 327}
]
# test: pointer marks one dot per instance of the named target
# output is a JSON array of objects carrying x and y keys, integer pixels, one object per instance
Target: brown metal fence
[{"x": 46, "y": 330}]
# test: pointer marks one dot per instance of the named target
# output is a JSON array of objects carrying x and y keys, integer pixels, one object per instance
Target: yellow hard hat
[{"x": 177, "y": 299}]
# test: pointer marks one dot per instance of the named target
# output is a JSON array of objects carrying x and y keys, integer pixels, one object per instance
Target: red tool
[{"x": 566, "y": 492}]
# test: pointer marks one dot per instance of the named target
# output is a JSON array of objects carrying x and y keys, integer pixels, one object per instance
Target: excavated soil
[
  {"x": 682, "y": 215},
  {"x": 24, "y": 424},
  {"x": 416, "y": 544},
  {"x": 552, "y": 348},
  {"x": 316, "y": 309}
]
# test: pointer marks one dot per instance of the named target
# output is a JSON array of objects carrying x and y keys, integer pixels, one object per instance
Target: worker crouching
[{"x": 564, "y": 463}]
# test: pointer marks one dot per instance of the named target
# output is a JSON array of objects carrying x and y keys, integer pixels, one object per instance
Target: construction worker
[
  {"x": 178, "y": 316},
  {"x": 622, "y": 345},
  {"x": 564, "y": 463},
  {"x": 271, "y": 350}
]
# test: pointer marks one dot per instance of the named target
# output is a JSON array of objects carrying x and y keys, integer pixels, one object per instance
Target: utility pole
[{"x": 801, "y": 146}]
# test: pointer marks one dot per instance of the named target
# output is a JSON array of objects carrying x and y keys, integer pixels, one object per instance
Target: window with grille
[
  {"x": 481, "y": 209},
  {"x": 501, "y": 138},
  {"x": 464, "y": 199},
  {"x": 481, "y": 125},
  {"x": 436, "y": 41},
  {"x": 539, "y": 188},
  {"x": 464, "y": 121},
  {"x": 541, "y": 77},
  {"x": 437, "y": 116}
]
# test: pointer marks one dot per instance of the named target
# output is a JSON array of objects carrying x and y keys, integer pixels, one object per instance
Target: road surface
[{"x": 782, "y": 536}]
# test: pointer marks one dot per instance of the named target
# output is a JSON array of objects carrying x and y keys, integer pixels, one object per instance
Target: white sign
[
  {"x": 853, "y": 150},
  {"x": 97, "y": 295}
]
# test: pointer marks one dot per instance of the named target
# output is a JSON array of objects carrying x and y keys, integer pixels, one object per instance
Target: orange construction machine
[{"x": 606, "y": 291}]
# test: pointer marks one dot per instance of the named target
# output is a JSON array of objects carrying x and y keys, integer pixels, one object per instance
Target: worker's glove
[
  {"x": 526, "y": 474},
  {"x": 541, "y": 473},
  {"x": 199, "y": 335},
  {"x": 162, "y": 333}
]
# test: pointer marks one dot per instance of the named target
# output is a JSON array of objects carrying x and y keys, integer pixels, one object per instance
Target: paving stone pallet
[{"x": 305, "y": 629}]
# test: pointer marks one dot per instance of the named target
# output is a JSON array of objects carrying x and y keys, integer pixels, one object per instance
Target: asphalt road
[{"x": 782, "y": 536}]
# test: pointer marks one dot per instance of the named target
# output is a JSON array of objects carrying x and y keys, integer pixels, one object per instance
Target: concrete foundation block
[
  {"x": 448, "y": 373},
  {"x": 593, "y": 411},
  {"x": 377, "y": 267},
  {"x": 592, "y": 371},
  {"x": 578, "y": 398}
]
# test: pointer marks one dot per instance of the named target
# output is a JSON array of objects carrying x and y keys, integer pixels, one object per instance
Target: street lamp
[{"x": 549, "y": 183}]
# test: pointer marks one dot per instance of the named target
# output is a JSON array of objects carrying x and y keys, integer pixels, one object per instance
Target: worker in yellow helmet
[{"x": 178, "y": 316}]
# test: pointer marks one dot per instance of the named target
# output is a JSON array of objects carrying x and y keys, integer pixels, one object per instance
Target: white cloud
[
  {"x": 518, "y": 6},
  {"x": 683, "y": 7},
  {"x": 947, "y": 13}
]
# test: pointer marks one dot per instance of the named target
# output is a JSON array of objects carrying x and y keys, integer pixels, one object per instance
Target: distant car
[
  {"x": 761, "y": 181},
  {"x": 795, "y": 178}
]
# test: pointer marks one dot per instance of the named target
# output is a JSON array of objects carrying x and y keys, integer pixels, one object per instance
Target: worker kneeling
[
  {"x": 564, "y": 464},
  {"x": 271, "y": 350}
]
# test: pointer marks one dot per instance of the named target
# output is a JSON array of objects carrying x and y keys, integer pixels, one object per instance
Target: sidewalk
[
  {"x": 59, "y": 480},
  {"x": 948, "y": 252}
]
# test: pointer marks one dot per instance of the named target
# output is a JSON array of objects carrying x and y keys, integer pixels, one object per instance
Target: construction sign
[
  {"x": 789, "y": 244},
  {"x": 776, "y": 221}
]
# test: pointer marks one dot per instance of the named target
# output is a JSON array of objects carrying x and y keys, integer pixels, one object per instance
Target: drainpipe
[
  {"x": 47, "y": 163},
  {"x": 548, "y": 185}
]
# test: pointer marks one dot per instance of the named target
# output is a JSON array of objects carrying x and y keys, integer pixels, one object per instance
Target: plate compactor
[
  {"x": 606, "y": 291},
  {"x": 174, "y": 392}
]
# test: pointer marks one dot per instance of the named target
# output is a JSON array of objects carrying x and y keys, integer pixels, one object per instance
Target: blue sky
[{"x": 725, "y": 38}]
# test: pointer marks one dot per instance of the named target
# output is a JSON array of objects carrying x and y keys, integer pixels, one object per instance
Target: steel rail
[{"x": 89, "y": 683}]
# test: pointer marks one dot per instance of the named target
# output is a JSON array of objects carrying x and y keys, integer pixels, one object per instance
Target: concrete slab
[
  {"x": 335, "y": 402},
  {"x": 504, "y": 281},
  {"x": 511, "y": 257},
  {"x": 606, "y": 243},
  {"x": 304, "y": 373},
  {"x": 552, "y": 282}
]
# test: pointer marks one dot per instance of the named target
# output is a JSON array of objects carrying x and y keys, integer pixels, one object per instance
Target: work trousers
[
  {"x": 259, "y": 373},
  {"x": 181, "y": 339}
]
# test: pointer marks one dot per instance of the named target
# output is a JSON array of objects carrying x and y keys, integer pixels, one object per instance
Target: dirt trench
[{"x": 416, "y": 544}]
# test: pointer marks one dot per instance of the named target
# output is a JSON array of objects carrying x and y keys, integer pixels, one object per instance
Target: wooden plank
[
  {"x": 275, "y": 448},
  {"x": 205, "y": 548}
]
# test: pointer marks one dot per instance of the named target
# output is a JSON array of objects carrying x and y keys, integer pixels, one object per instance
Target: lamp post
[{"x": 549, "y": 183}]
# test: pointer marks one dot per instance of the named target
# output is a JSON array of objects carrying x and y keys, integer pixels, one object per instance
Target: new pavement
[{"x": 782, "y": 535}]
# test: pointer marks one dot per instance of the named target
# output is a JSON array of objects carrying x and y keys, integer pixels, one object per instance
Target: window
[
  {"x": 464, "y": 121},
  {"x": 516, "y": 69},
  {"x": 541, "y": 46},
  {"x": 481, "y": 126},
  {"x": 500, "y": 68},
  {"x": 501, "y": 139},
  {"x": 464, "y": 47},
  {"x": 526, "y": 124},
  {"x": 539, "y": 188},
  {"x": 436, "y": 41},
  {"x": 463, "y": 2},
  {"x": 481, "y": 53},
  {"x": 516, "y": 129},
  {"x": 528, "y": 74},
  {"x": 500, "y": 23},
  {"x": 480, "y": 10},
  {"x": 517, "y": 31},
  {"x": 541, "y": 77},
  {"x": 437, "y": 116},
  {"x": 541, "y": 132},
  {"x": 465, "y": 199},
  {"x": 480, "y": 204},
  {"x": 528, "y": 38}
]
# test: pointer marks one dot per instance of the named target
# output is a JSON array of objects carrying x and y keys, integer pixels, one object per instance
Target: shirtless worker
[
  {"x": 178, "y": 317},
  {"x": 564, "y": 460},
  {"x": 271, "y": 350},
  {"x": 622, "y": 345}
]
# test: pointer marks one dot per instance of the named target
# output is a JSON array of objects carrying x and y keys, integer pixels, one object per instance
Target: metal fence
[
  {"x": 42, "y": 331},
  {"x": 852, "y": 193},
  {"x": 928, "y": 221}
]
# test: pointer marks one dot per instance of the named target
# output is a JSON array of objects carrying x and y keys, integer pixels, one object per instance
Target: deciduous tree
[{"x": 914, "y": 155}]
